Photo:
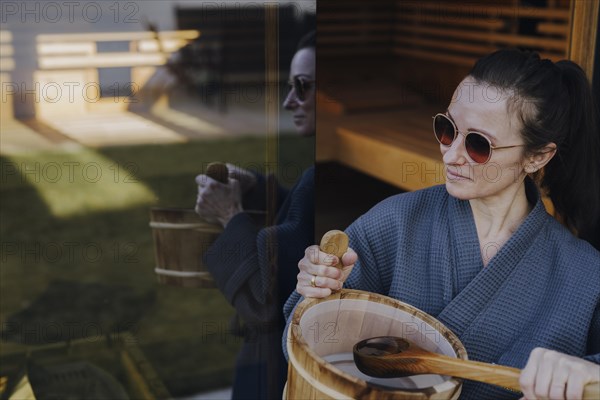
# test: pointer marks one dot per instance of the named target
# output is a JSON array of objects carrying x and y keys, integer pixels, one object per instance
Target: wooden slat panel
[
  {"x": 484, "y": 23},
  {"x": 466, "y": 61},
  {"x": 358, "y": 39},
  {"x": 354, "y": 27},
  {"x": 553, "y": 29},
  {"x": 364, "y": 50},
  {"x": 349, "y": 16},
  {"x": 511, "y": 39},
  {"x": 489, "y": 10},
  {"x": 436, "y": 56},
  {"x": 438, "y": 44},
  {"x": 365, "y": 95}
]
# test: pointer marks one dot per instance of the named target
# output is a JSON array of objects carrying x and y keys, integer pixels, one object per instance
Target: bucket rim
[{"x": 354, "y": 294}]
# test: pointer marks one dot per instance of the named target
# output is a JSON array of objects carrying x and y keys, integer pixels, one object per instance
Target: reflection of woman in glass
[
  {"x": 256, "y": 268},
  {"x": 481, "y": 253}
]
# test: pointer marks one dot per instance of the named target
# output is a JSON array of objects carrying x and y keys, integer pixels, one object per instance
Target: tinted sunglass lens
[
  {"x": 478, "y": 147},
  {"x": 444, "y": 130}
]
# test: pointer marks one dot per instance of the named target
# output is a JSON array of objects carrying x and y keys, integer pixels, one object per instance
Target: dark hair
[
  {"x": 309, "y": 40},
  {"x": 555, "y": 103}
]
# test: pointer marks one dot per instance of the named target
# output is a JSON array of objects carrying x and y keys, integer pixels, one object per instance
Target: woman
[
  {"x": 254, "y": 267},
  {"x": 480, "y": 253}
]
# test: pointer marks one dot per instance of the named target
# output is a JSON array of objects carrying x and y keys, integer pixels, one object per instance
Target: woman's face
[
  {"x": 483, "y": 108},
  {"x": 303, "y": 68}
]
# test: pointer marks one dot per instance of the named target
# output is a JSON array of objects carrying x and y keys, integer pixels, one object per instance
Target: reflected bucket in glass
[{"x": 181, "y": 237}]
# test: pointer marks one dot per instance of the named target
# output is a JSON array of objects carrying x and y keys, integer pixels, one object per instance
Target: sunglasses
[
  {"x": 301, "y": 86},
  {"x": 478, "y": 146}
]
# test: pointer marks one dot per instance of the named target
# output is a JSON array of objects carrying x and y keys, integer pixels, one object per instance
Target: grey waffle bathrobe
[{"x": 541, "y": 289}]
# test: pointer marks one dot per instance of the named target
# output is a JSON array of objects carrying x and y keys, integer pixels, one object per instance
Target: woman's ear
[{"x": 536, "y": 161}]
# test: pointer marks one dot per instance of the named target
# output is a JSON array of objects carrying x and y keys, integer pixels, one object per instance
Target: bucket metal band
[
  {"x": 196, "y": 226},
  {"x": 182, "y": 274}
]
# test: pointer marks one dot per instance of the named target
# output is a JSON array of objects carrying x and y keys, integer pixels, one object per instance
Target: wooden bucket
[
  {"x": 181, "y": 237},
  {"x": 323, "y": 332}
]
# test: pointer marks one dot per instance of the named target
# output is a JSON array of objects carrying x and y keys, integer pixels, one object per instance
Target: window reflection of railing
[
  {"x": 14, "y": 134},
  {"x": 80, "y": 51},
  {"x": 69, "y": 64},
  {"x": 7, "y": 64}
]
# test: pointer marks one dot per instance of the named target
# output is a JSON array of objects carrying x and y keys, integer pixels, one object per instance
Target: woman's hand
[
  {"x": 318, "y": 277},
  {"x": 218, "y": 202},
  {"x": 553, "y": 375}
]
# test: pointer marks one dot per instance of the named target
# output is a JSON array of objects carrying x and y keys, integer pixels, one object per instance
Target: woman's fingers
[
  {"x": 558, "y": 383},
  {"x": 544, "y": 378},
  {"x": 310, "y": 292},
  {"x": 553, "y": 375},
  {"x": 319, "y": 270},
  {"x": 527, "y": 378},
  {"x": 349, "y": 258},
  {"x": 246, "y": 178},
  {"x": 318, "y": 277},
  {"x": 319, "y": 263},
  {"x": 575, "y": 386},
  {"x": 317, "y": 257},
  {"x": 200, "y": 179},
  {"x": 312, "y": 286},
  {"x": 218, "y": 201},
  {"x": 316, "y": 281}
]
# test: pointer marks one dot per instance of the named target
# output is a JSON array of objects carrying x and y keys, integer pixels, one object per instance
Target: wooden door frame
[{"x": 583, "y": 34}]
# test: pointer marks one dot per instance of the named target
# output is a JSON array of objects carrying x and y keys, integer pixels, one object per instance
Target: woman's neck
[{"x": 498, "y": 218}]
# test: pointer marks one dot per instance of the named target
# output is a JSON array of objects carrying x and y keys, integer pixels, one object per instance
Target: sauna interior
[{"x": 385, "y": 67}]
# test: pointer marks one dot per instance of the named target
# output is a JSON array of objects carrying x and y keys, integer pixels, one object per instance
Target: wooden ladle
[
  {"x": 218, "y": 171},
  {"x": 390, "y": 357}
]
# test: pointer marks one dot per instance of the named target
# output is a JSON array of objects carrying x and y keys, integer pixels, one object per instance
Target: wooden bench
[{"x": 396, "y": 147}]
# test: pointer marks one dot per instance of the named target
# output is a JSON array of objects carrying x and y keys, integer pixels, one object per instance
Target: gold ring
[{"x": 313, "y": 281}]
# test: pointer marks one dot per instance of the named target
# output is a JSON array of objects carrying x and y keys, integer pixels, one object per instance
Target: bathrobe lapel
[{"x": 476, "y": 287}]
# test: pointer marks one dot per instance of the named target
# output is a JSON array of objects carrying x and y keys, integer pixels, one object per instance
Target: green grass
[{"x": 85, "y": 228}]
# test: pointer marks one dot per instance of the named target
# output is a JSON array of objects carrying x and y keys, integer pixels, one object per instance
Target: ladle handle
[
  {"x": 499, "y": 375},
  {"x": 336, "y": 243},
  {"x": 218, "y": 171},
  {"x": 591, "y": 391}
]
